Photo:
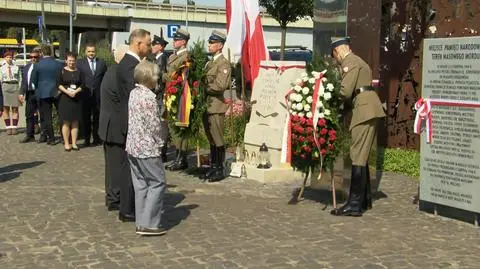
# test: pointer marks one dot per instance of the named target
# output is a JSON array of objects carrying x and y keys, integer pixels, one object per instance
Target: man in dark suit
[
  {"x": 93, "y": 70},
  {"x": 44, "y": 77},
  {"x": 27, "y": 94},
  {"x": 160, "y": 58},
  {"x": 115, "y": 120}
]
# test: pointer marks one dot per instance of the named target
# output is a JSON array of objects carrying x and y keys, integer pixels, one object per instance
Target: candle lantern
[{"x": 264, "y": 157}]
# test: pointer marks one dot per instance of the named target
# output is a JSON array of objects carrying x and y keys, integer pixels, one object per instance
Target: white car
[
  {"x": 19, "y": 61},
  {"x": 108, "y": 5}
]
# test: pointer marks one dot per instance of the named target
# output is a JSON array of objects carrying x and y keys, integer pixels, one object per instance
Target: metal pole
[
  {"x": 186, "y": 15},
  {"x": 43, "y": 23},
  {"x": 70, "y": 43},
  {"x": 24, "y": 46}
]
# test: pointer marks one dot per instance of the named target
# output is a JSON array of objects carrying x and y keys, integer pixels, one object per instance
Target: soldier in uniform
[
  {"x": 177, "y": 59},
  {"x": 160, "y": 58},
  {"x": 218, "y": 75},
  {"x": 366, "y": 107}
]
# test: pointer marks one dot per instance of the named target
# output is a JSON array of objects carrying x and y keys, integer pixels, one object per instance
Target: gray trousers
[{"x": 148, "y": 177}]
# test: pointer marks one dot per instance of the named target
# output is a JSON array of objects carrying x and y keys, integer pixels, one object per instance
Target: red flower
[
  {"x": 302, "y": 120},
  {"x": 310, "y": 139},
  {"x": 309, "y": 122},
  {"x": 332, "y": 132},
  {"x": 322, "y": 122},
  {"x": 303, "y": 156},
  {"x": 331, "y": 147},
  {"x": 324, "y": 152},
  {"x": 322, "y": 140},
  {"x": 309, "y": 130},
  {"x": 196, "y": 84},
  {"x": 332, "y": 137},
  {"x": 324, "y": 131},
  {"x": 301, "y": 139}
]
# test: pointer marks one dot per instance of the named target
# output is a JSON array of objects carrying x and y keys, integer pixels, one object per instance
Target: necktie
[
  {"x": 10, "y": 76},
  {"x": 92, "y": 66}
]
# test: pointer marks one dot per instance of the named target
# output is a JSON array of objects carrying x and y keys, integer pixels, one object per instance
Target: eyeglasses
[{"x": 34, "y": 57}]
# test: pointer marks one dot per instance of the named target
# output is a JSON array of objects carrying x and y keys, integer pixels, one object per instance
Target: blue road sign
[{"x": 172, "y": 29}]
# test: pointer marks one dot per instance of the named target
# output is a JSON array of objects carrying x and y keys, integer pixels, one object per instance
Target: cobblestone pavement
[{"x": 52, "y": 215}]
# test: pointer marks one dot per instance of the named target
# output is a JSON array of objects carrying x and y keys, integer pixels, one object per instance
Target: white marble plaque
[{"x": 450, "y": 165}]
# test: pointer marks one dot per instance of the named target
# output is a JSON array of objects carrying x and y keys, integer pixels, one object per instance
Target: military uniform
[
  {"x": 174, "y": 62},
  {"x": 218, "y": 76},
  {"x": 366, "y": 109}
]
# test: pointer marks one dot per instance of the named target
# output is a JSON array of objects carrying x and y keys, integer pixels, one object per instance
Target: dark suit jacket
[
  {"x": 45, "y": 76},
  {"x": 115, "y": 90},
  {"x": 1, "y": 98},
  {"x": 25, "y": 85},
  {"x": 92, "y": 82},
  {"x": 110, "y": 122},
  {"x": 162, "y": 64}
]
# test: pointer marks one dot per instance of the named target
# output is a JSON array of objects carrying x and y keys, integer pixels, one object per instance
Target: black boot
[
  {"x": 213, "y": 163},
  {"x": 367, "y": 203},
  {"x": 181, "y": 163},
  {"x": 177, "y": 158},
  {"x": 218, "y": 174},
  {"x": 354, "y": 204}
]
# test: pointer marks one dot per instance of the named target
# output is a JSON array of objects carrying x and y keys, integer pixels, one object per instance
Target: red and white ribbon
[
  {"x": 281, "y": 68},
  {"x": 286, "y": 154},
  {"x": 424, "y": 112}
]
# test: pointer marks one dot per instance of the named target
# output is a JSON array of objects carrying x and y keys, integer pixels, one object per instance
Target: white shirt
[
  {"x": 29, "y": 76},
  {"x": 131, "y": 53},
  {"x": 158, "y": 55},
  {"x": 15, "y": 71},
  {"x": 216, "y": 56}
]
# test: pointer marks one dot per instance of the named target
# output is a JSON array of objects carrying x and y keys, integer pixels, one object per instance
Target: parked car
[
  {"x": 292, "y": 54},
  {"x": 108, "y": 5}
]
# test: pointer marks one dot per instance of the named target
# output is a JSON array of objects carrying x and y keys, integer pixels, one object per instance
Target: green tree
[
  {"x": 285, "y": 12},
  {"x": 12, "y": 32},
  {"x": 166, "y": 2}
]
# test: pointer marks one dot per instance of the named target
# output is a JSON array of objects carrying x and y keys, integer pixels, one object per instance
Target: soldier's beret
[
  {"x": 337, "y": 41},
  {"x": 181, "y": 34},
  {"x": 157, "y": 40},
  {"x": 217, "y": 36}
]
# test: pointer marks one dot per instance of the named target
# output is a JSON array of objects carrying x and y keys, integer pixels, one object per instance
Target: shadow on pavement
[
  {"x": 173, "y": 214},
  {"x": 4, "y": 177},
  {"x": 19, "y": 166}
]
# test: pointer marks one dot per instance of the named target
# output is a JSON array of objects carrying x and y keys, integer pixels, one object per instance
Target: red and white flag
[{"x": 245, "y": 35}]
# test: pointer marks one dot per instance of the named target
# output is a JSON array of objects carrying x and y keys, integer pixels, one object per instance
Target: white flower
[
  {"x": 327, "y": 96},
  {"x": 297, "y": 88},
  {"x": 173, "y": 97},
  {"x": 299, "y": 107},
  {"x": 324, "y": 79},
  {"x": 289, "y": 103},
  {"x": 304, "y": 74},
  {"x": 321, "y": 92},
  {"x": 301, "y": 114},
  {"x": 293, "y": 96},
  {"x": 192, "y": 107},
  {"x": 309, "y": 115},
  {"x": 321, "y": 115},
  {"x": 305, "y": 79},
  {"x": 306, "y": 107},
  {"x": 298, "y": 97},
  {"x": 311, "y": 80},
  {"x": 294, "y": 113},
  {"x": 290, "y": 111},
  {"x": 309, "y": 99},
  {"x": 327, "y": 112},
  {"x": 330, "y": 86},
  {"x": 305, "y": 90},
  {"x": 319, "y": 104},
  {"x": 315, "y": 73},
  {"x": 298, "y": 81}
]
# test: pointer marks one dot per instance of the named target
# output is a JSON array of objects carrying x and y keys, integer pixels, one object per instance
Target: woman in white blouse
[{"x": 10, "y": 79}]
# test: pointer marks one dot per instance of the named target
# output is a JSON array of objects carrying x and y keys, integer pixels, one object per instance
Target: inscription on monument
[
  {"x": 268, "y": 93},
  {"x": 450, "y": 165}
]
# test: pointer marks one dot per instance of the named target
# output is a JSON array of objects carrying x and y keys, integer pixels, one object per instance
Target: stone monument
[
  {"x": 450, "y": 163},
  {"x": 267, "y": 120}
]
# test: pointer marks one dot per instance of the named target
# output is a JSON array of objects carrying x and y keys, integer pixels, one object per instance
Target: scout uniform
[
  {"x": 218, "y": 76},
  {"x": 356, "y": 90},
  {"x": 174, "y": 62}
]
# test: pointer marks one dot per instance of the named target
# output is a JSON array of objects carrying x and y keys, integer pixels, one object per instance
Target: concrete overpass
[{"x": 151, "y": 16}]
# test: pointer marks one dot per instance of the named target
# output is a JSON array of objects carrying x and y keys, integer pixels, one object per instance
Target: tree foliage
[{"x": 287, "y": 11}]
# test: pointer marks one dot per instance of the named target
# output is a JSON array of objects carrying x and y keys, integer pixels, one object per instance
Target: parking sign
[{"x": 172, "y": 29}]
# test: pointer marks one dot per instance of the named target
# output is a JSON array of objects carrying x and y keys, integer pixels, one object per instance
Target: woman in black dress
[{"x": 70, "y": 108}]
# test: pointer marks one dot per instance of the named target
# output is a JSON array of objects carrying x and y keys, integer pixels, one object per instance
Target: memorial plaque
[{"x": 450, "y": 164}]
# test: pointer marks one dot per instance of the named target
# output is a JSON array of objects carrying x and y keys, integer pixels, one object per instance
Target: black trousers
[
  {"x": 120, "y": 174},
  {"x": 45, "y": 106},
  {"x": 112, "y": 173},
  {"x": 31, "y": 107},
  {"x": 91, "y": 114}
]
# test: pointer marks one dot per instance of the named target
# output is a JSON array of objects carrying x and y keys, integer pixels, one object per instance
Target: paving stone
[{"x": 53, "y": 216}]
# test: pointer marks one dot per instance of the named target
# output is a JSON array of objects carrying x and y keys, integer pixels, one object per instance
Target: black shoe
[
  {"x": 218, "y": 173},
  {"x": 354, "y": 205},
  {"x": 181, "y": 162},
  {"x": 42, "y": 139},
  {"x": 97, "y": 142},
  {"x": 151, "y": 232},
  {"x": 27, "y": 139},
  {"x": 87, "y": 144},
  {"x": 113, "y": 207},
  {"x": 126, "y": 217},
  {"x": 177, "y": 159},
  {"x": 213, "y": 163}
]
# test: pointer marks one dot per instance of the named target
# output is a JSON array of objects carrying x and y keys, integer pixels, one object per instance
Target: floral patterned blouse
[{"x": 144, "y": 138}]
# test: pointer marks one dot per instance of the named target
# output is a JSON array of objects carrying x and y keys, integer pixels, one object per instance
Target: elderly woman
[
  {"x": 70, "y": 83},
  {"x": 10, "y": 80},
  {"x": 144, "y": 144}
]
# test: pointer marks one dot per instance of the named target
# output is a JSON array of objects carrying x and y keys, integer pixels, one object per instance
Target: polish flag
[{"x": 245, "y": 35}]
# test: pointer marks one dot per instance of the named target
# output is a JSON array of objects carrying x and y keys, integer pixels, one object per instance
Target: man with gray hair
[{"x": 139, "y": 47}]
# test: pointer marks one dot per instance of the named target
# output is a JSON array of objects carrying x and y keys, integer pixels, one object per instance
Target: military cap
[
  {"x": 181, "y": 34},
  {"x": 337, "y": 41},
  {"x": 157, "y": 40},
  {"x": 218, "y": 36}
]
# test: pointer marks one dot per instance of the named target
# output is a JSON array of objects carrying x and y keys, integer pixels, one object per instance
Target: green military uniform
[
  {"x": 217, "y": 78},
  {"x": 357, "y": 90},
  {"x": 174, "y": 62}
]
